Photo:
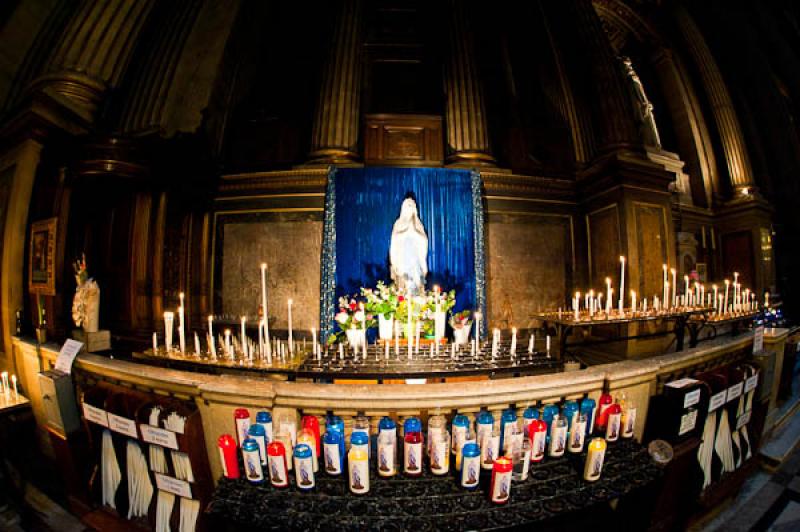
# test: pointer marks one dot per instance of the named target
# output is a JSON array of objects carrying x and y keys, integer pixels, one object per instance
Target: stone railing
[{"x": 217, "y": 396}]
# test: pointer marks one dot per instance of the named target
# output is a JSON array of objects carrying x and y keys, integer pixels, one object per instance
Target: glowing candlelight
[
  {"x": 14, "y": 383},
  {"x": 155, "y": 343},
  {"x": 766, "y": 299},
  {"x": 169, "y": 318},
  {"x": 621, "y": 283},
  {"x": 291, "y": 343},
  {"x": 674, "y": 287},
  {"x": 181, "y": 332},
  {"x": 727, "y": 287},
  {"x": 608, "y": 295},
  {"x": 264, "y": 309},
  {"x": 633, "y": 301},
  {"x": 196, "y": 344},
  {"x": 513, "y": 341},
  {"x": 244, "y": 335}
]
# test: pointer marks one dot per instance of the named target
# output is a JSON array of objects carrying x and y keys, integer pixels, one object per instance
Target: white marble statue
[{"x": 408, "y": 252}]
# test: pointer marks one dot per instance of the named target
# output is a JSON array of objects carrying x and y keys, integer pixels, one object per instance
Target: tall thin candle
[
  {"x": 264, "y": 308},
  {"x": 725, "y": 305},
  {"x": 621, "y": 283},
  {"x": 291, "y": 343},
  {"x": 181, "y": 330}
]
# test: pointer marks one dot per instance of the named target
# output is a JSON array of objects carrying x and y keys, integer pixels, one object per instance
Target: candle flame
[
  {"x": 622, "y": 258},
  {"x": 672, "y": 271},
  {"x": 263, "y": 265}
]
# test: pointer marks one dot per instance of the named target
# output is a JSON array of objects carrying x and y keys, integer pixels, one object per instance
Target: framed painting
[{"x": 41, "y": 259}]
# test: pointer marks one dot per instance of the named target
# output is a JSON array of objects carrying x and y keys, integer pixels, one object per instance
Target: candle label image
[
  {"x": 538, "y": 446},
  {"x": 577, "y": 436},
  {"x": 412, "y": 460},
  {"x": 333, "y": 460},
  {"x": 439, "y": 457},
  {"x": 278, "y": 475},
  {"x": 304, "y": 473},
  {"x": 612, "y": 429},
  {"x": 594, "y": 460},
  {"x": 628, "y": 422},
  {"x": 242, "y": 428},
  {"x": 558, "y": 440},
  {"x": 470, "y": 471},
  {"x": 459, "y": 436},
  {"x": 252, "y": 465},
  {"x": 490, "y": 450},
  {"x": 501, "y": 487},
  {"x": 359, "y": 476},
  {"x": 386, "y": 465}
]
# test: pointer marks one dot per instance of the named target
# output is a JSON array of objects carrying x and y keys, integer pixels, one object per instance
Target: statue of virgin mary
[{"x": 408, "y": 251}]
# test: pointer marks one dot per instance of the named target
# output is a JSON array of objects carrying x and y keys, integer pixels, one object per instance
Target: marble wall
[
  {"x": 290, "y": 244},
  {"x": 530, "y": 264}
]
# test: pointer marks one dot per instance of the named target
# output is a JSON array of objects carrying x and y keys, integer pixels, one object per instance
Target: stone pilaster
[
  {"x": 730, "y": 131},
  {"x": 93, "y": 53},
  {"x": 465, "y": 111},
  {"x": 334, "y": 137}
]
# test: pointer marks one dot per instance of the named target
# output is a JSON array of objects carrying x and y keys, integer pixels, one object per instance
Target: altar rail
[{"x": 218, "y": 395}]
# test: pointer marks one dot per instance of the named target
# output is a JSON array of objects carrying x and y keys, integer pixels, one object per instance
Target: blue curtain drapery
[{"x": 361, "y": 207}]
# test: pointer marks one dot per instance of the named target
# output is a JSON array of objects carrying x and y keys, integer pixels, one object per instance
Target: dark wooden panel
[
  {"x": 405, "y": 140},
  {"x": 651, "y": 241},
  {"x": 737, "y": 256},
  {"x": 603, "y": 233}
]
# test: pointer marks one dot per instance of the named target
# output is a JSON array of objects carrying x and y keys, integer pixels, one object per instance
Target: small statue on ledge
[
  {"x": 646, "y": 118},
  {"x": 408, "y": 251},
  {"x": 86, "y": 304}
]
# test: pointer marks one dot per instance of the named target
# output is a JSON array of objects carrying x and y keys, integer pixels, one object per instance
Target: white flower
[
  {"x": 359, "y": 315},
  {"x": 342, "y": 317}
]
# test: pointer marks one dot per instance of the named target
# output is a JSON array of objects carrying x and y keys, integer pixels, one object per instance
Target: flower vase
[
  {"x": 439, "y": 320},
  {"x": 356, "y": 337},
  {"x": 385, "y": 327},
  {"x": 461, "y": 334}
]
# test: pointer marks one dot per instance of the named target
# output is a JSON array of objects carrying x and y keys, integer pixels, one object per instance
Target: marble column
[
  {"x": 465, "y": 111},
  {"x": 94, "y": 52},
  {"x": 730, "y": 131},
  {"x": 334, "y": 138}
]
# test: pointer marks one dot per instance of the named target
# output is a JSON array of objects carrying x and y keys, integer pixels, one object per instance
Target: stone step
[{"x": 785, "y": 438}]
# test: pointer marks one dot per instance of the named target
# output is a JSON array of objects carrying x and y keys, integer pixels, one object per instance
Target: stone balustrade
[{"x": 217, "y": 396}]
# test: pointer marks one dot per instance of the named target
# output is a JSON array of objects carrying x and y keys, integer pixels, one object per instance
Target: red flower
[
  {"x": 400, "y": 299},
  {"x": 353, "y": 305}
]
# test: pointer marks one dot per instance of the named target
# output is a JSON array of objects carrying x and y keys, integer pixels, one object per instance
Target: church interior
[{"x": 397, "y": 264}]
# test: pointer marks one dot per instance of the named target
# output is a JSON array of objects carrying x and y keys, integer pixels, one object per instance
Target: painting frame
[{"x": 41, "y": 257}]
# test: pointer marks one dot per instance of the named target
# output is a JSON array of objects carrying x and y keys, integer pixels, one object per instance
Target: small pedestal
[{"x": 93, "y": 341}]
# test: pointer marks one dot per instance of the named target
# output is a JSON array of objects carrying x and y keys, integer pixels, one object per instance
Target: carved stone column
[
  {"x": 334, "y": 138},
  {"x": 93, "y": 52},
  {"x": 467, "y": 137},
  {"x": 730, "y": 131}
]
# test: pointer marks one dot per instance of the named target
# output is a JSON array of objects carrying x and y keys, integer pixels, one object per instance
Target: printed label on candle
[
  {"x": 489, "y": 450},
  {"x": 537, "y": 449},
  {"x": 122, "y": 425},
  {"x": 267, "y": 431},
  {"x": 172, "y": 485},
  {"x": 691, "y": 398},
  {"x": 688, "y": 422},
  {"x": 242, "y": 428},
  {"x": 277, "y": 471},
  {"x": 262, "y": 448},
  {"x": 507, "y": 430},
  {"x": 558, "y": 439},
  {"x": 412, "y": 462},
  {"x": 439, "y": 462},
  {"x": 501, "y": 487},
  {"x": 95, "y": 415},
  {"x": 333, "y": 462},
  {"x": 252, "y": 466},
  {"x": 735, "y": 391},
  {"x": 304, "y": 473},
  {"x": 386, "y": 465},
  {"x": 717, "y": 400},
  {"x": 612, "y": 429},
  {"x": 159, "y": 436},
  {"x": 744, "y": 419},
  {"x": 751, "y": 383},
  {"x": 628, "y": 422},
  {"x": 470, "y": 472},
  {"x": 359, "y": 476},
  {"x": 459, "y": 435},
  {"x": 594, "y": 464},
  {"x": 577, "y": 436}
]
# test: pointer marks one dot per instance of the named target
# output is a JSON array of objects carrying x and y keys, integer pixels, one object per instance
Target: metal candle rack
[{"x": 554, "y": 488}]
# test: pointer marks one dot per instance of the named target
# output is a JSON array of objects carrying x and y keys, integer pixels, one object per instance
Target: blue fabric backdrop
[{"x": 362, "y": 205}]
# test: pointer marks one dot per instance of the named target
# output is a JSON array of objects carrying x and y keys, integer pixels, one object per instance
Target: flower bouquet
[
  {"x": 461, "y": 322},
  {"x": 352, "y": 316},
  {"x": 382, "y": 301}
]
